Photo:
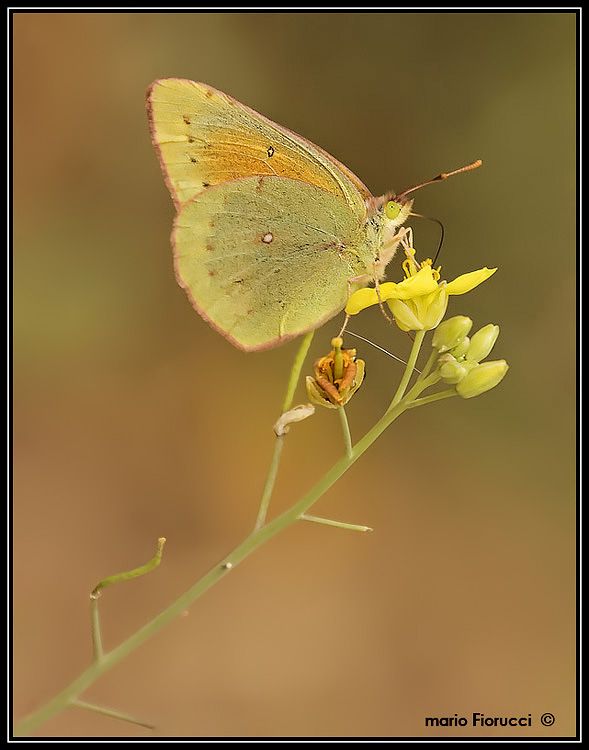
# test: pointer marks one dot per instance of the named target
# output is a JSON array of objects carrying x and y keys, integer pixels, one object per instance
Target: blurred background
[{"x": 133, "y": 419}]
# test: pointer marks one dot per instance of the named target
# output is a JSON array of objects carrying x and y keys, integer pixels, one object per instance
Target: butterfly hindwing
[{"x": 264, "y": 259}]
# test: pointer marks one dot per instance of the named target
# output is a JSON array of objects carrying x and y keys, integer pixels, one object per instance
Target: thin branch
[
  {"x": 97, "y": 650},
  {"x": 114, "y": 714},
  {"x": 346, "y": 431},
  {"x": 337, "y": 524},
  {"x": 293, "y": 380},
  {"x": 135, "y": 573}
]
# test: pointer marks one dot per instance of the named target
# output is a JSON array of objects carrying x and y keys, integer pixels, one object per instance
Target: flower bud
[
  {"x": 451, "y": 332},
  {"x": 460, "y": 349},
  {"x": 452, "y": 372},
  {"x": 482, "y": 343},
  {"x": 482, "y": 378}
]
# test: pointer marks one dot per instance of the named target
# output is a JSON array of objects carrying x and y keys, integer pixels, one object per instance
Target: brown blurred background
[{"x": 133, "y": 419}]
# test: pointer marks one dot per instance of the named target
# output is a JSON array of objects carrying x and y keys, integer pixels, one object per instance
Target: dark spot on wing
[
  {"x": 270, "y": 152},
  {"x": 193, "y": 159},
  {"x": 186, "y": 119},
  {"x": 206, "y": 184}
]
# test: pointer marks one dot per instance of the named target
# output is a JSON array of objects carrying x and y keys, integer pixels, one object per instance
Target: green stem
[
  {"x": 419, "y": 336},
  {"x": 270, "y": 481},
  {"x": 97, "y": 651},
  {"x": 295, "y": 373},
  {"x": 431, "y": 399},
  {"x": 431, "y": 360},
  {"x": 114, "y": 714},
  {"x": 256, "y": 539},
  {"x": 127, "y": 575},
  {"x": 337, "y": 524},
  {"x": 346, "y": 430}
]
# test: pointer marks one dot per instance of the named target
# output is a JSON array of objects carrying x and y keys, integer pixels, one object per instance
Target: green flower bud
[
  {"x": 452, "y": 372},
  {"x": 482, "y": 378},
  {"x": 451, "y": 332},
  {"x": 460, "y": 349},
  {"x": 482, "y": 343}
]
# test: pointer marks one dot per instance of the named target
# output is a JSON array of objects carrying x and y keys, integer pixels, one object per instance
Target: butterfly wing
[
  {"x": 204, "y": 137},
  {"x": 264, "y": 259}
]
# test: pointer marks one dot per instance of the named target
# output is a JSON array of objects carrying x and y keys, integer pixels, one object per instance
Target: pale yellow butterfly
[{"x": 272, "y": 233}]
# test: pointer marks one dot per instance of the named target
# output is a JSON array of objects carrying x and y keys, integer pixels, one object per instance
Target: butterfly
[{"x": 272, "y": 233}]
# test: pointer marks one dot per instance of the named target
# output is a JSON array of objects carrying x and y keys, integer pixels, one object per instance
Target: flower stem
[
  {"x": 97, "y": 650},
  {"x": 295, "y": 371},
  {"x": 270, "y": 481},
  {"x": 428, "y": 365},
  {"x": 129, "y": 574},
  {"x": 419, "y": 336},
  {"x": 256, "y": 539},
  {"x": 337, "y": 524},
  {"x": 346, "y": 430},
  {"x": 293, "y": 380},
  {"x": 434, "y": 397},
  {"x": 114, "y": 714}
]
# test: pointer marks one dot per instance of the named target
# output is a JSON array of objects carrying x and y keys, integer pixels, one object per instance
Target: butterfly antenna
[
  {"x": 442, "y": 176},
  {"x": 376, "y": 346}
]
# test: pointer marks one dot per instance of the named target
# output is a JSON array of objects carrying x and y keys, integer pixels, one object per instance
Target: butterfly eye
[{"x": 392, "y": 209}]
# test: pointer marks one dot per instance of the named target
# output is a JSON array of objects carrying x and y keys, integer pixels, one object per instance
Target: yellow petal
[
  {"x": 468, "y": 281},
  {"x": 360, "y": 300},
  {"x": 404, "y": 316},
  {"x": 415, "y": 286},
  {"x": 436, "y": 309}
]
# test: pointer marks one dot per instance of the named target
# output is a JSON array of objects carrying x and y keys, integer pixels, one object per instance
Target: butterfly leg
[{"x": 388, "y": 250}]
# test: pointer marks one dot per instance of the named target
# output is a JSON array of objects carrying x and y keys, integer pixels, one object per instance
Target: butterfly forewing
[{"x": 204, "y": 137}]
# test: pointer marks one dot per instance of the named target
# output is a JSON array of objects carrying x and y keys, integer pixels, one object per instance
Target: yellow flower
[{"x": 418, "y": 302}]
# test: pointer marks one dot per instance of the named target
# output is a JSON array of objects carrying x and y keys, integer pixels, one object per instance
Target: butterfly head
[
  {"x": 397, "y": 211},
  {"x": 394, "y": 214}
]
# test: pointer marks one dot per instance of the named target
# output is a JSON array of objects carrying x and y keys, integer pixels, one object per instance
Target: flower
[
  {"x": 337, "y": 376},
  {"x": 418, "y": 302}
]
